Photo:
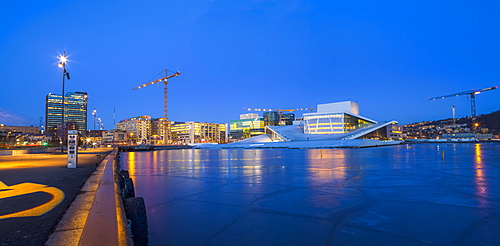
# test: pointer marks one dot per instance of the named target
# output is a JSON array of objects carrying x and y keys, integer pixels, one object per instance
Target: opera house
[{"x": 334, "y": 125}]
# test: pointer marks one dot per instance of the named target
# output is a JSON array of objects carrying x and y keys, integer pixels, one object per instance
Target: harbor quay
[
  {"x": 410, "y": 194},
  {"x": 37, "y": 189}
]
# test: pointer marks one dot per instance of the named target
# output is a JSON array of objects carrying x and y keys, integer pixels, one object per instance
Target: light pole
[
  {"x": 94, "y": 113},
  {"x": 62, "y": 64}
]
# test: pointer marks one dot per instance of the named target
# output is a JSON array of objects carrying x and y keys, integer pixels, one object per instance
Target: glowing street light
[
  {"x": 94, "y": 113},
  {"x": 62, "y": 64}
]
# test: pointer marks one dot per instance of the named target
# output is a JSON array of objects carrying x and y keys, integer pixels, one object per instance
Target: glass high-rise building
[
  {"x": 271, "y": 118},
  {"x": 75, "y": 111},
  {"x": 287, "y": 119}
]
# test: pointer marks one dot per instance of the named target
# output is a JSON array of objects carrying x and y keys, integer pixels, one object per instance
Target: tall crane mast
[
  {"x": 472, "y": 94},
  {"x": 166, "y": 125}
]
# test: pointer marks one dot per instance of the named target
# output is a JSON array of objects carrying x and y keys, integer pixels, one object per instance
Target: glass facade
[
  {"x": 242, "y": 129},
  {"x": 271, "y": 118},
  {"x": 53, "y": 112},
  {"x": 287, "y": 119},
  {"x": 332, "y": 123},
  {"x": 75, "y": 111},
  {"x": 274, "y": 118},
  {"x": 392, "y": 131}
]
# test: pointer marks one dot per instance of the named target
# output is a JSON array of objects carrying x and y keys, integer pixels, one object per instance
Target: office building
[
  {"x": 246, "y": 127},
  {"x": 143, "y": 129},
  {"x": 287, "y": 119},
  {"x": 114, "y": 136},
  {"x": 249, "y": 116},
  {"x": 19, "y": 129},
  {"x": 158, "y": 127},
  {"x": 271, "y": 118},
  {"x": 197, "y": 132},
  {"x": 137, "y": 128},
  {"x": 75, "y": 111}
]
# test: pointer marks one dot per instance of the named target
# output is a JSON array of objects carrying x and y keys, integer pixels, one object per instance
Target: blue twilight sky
[{"x": 388, "y": 56}]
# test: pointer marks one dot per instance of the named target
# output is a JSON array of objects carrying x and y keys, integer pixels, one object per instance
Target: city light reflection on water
[
  {"x": 326, "y": 164},
  {"x": 481, "y": 184},
  {"x": 131, "y": 163}
]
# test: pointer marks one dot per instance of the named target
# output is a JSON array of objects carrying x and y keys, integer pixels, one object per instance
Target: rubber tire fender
[
  {"x": 135, "y": 210},
  {"x": 128, "y": 189},
  {"x": 121, "y": 181},
  {"x": 124, "y": 173}
]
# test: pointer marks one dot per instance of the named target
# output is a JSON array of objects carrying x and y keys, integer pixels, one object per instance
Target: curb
[{"x": 69, "y": 230}]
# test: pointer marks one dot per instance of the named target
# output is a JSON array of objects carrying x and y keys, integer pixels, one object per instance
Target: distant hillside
[{"x": 488, "y": 123}]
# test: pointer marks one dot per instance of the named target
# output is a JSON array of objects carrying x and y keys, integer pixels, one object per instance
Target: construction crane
[
  {"x": 472, "y": 94},
  {"x": 280, "y": 111},
  {"x": 166, "y": 125}
]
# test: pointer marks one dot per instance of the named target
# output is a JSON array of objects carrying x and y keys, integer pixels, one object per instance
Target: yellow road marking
[{"x": 28, "y": 188}]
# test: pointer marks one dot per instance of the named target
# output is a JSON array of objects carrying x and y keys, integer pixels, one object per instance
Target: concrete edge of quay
[
  {"x": 96, "y": 208},
  {"x": 69, "y": 230}
]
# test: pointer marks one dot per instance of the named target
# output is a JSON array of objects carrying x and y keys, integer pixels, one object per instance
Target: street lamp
[
  {"x": 94, "y": 113},
  {"x": 62, "y": 64}
]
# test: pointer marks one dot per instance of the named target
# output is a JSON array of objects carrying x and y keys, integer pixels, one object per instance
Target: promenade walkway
[{"x": 29, "y": 181}]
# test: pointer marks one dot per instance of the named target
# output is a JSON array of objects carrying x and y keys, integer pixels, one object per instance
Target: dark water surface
[{"x": 394, "y": 195}]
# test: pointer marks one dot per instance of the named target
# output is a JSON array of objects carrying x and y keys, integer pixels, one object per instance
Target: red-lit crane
[
  {"x": 472, "y": 94},
  {"x": 166, "y": 130}
]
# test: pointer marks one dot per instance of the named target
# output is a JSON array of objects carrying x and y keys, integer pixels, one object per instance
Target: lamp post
[
  {"x": 94, "y": 113},
  {"x": 62, "y": 64}
]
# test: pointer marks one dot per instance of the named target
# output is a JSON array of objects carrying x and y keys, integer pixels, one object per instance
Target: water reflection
[
  {"x": 481, "y": 187},
  {"x": 131, "y": 163},
  {"x": 328, "y": 165},
  {"x": 198, "y": 163}
]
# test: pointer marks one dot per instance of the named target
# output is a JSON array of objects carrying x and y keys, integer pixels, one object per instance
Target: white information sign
[{"x": 72, "y": 148}]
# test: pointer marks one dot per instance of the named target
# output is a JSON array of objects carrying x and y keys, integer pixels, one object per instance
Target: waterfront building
[
  {"x": 275, "y": 118},
  {"x": 158, "y": 126},
  {"x": 249, "y": 116},
  {"x": 94, "y": 137},
  {"x": 271, "y": 118},
  {"x": 467, "y": 135},
  {"x": 246, "y": 127},
  {"x": 20, "y": 135},
  {"x": 335, "y": 118},
  {"x": 287, "y": 119},
  {"x": 333, "y": 125},
  {"x": 75, "y": 111},
  {"x": 115, "y": 136},
  {"x": 19, "y": 129},
  {"x": 197, "y": 132},
  {"x": 137, "y": 128}
]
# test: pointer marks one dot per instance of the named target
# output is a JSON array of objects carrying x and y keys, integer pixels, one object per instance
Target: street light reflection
[
  {"x": 328, "y": 164},
  {"x": 480, "y": 181},
  {"x": 131, "y": 163}
]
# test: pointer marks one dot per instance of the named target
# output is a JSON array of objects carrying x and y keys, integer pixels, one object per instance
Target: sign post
[{"x": 72, "y": 148}]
